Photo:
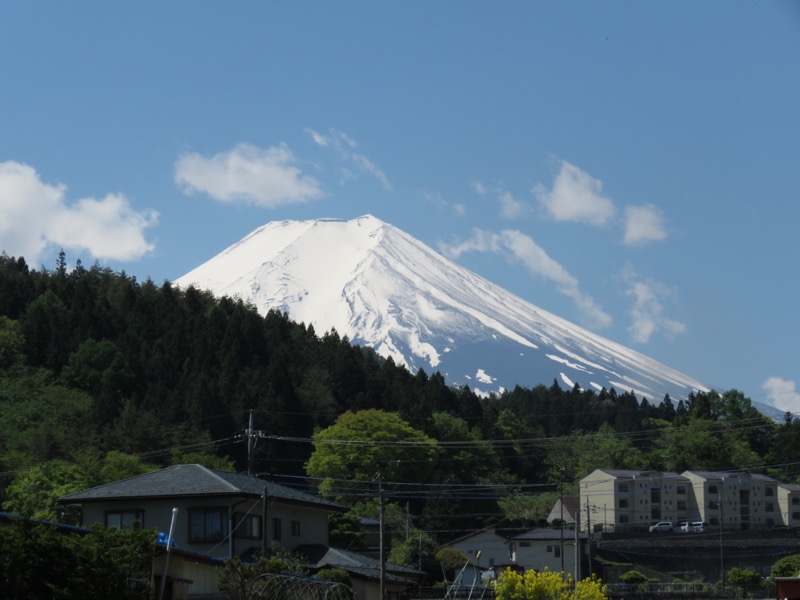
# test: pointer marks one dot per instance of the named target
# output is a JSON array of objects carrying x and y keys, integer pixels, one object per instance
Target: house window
[
  {"x": 796, "y": 500},
  {"x": 623, "y": 503},
  {"x": 248, "y": 526},
  {"x": 549, "y": 548},
  {"x": 622, "y": 487},
  {"x": 296, "y": 528},
  {"x": 795, "y": 516},
  {"x": 276, "y": 529},
  {"x": 623, "y": 518},
  {"x": 681, "y": 504},
  {"x": 769, "y": 492},
  {"x": 713, "y": 504},
  {"x": 208, "y": 524},
  {"x": 768, "y": 507},
  {"x": 125, "y": 519},
  {"x": 712, "y": 489},
  {"x": 681, "y": 489},
  {"x": 556, "y": 552}
]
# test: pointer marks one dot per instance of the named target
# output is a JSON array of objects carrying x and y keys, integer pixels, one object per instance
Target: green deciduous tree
[
  {"x": 37, "y": 562},
  {"x": 34, "y": 492},
  {"x": 528, "y": 507},
  {"x": 788, "y": 566},
  {"x": 745, "y": 579},
  {"x": 358, "y": 445},
  {"x": 704, "y": 444}
]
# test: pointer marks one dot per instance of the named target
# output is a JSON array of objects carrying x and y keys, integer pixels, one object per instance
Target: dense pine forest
[{"x": 102, "y": 375}]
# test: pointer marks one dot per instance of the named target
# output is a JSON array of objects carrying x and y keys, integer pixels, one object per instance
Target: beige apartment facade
[{"x": 629, "y": 500}]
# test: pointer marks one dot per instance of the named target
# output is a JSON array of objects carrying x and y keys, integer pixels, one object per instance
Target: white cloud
[
  {"x": 511, "y": 208},
  {"x": 782, "y": 394},
  {"x": 647, "y": 312},
  {"x": 576, "y": 196},
  {"x": 35, "y": 215},
  {"x": 266, "y": 177},
  {"x": 441, "y": 203},
  {"x": 366, "y": 165},
  {"x": 481, "y": 241},
  {"x": 479, "y": 187},
  {"x": 345, "y": 147},
  {"x": 537, "y": 262},
  {"x": 643, "y": 224}
]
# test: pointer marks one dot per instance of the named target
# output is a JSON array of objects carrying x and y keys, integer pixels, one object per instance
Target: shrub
[
  {"x": 788, "y": 566},
  {"x": 634, "y": 577}
]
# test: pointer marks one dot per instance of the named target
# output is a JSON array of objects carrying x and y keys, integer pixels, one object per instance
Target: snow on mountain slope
[{"x": 384, "y": 289}]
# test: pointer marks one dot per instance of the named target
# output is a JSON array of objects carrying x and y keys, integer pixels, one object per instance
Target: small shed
[{"x": 788, "y": 588}]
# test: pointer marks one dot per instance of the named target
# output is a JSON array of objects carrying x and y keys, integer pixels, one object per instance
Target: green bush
[
  {"x": 788, "y": 566},
  {"x": 634, "y": 577},
  {"x": 746, "y": 579}
]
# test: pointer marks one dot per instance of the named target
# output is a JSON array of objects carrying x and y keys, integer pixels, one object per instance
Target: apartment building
[
  {"x": 788, "y": 497},
  {"x": 625, "y": 500}
]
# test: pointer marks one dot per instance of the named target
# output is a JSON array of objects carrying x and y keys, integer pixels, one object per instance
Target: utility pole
[
  {"x": 252, "y": 436},
  {"x": 577, "y": 566},
  {"x": 721, "y": 544},
  {"x": 381, "y": 550},
  {"x": 561, "y": 503},
  {"x": 264, "y": 526},
  {"x": 589, "y": 535}
]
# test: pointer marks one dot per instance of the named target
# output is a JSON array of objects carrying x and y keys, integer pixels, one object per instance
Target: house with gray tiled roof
[
  {"x": 212, "y": 505},
  {"x": 364, "y": 571},
  {"x": 219, "y": 514}
]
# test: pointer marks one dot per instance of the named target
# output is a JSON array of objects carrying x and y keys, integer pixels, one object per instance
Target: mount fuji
[{"x": 384, "y": 289}]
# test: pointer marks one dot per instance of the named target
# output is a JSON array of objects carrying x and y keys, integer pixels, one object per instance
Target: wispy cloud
[
  {"x": 647, "y": 312},
  {"x": 35, "y": 215},
  {"x": 643, "y": 224},
  {"x": 267, "y": 177},
  {"x": 346, "y": 147},
  {"x": 575, "y": 196},
  {"x": 511, "y": 208},
  {"x": 782, "y": 394},
  {"x": 441, "y": 203},
  {"x": 537, "y": 262}
]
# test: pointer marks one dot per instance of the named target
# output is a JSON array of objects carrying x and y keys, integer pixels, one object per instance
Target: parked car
[
  {"x": 694, "y": 527},
  {"x": 661, "y": 526}
]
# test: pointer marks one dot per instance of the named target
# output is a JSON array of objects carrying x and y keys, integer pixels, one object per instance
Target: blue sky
[{"x": 631, "y": 167}]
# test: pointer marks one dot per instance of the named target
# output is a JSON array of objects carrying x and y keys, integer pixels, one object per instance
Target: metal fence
[
  {"x": 681, "y": 591},
  {"x": 288, "y": 587}
]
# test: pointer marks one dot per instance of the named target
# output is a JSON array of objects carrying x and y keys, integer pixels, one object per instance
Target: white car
[
  {"x": 694, "y": 527},
  {"x": 661, "y": 526}
]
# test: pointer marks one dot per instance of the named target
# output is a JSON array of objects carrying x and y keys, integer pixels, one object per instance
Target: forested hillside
[{"x": 96, "y": 366}]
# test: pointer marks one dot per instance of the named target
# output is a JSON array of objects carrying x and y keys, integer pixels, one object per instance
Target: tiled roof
[
  {"x": 323, "y": 556},
  {"x": 544, "y": 533},
  {"x": 194, "y": 480}
]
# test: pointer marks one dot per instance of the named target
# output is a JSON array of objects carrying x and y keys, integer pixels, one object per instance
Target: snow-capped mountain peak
[{"x": 384, "y": 289}]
